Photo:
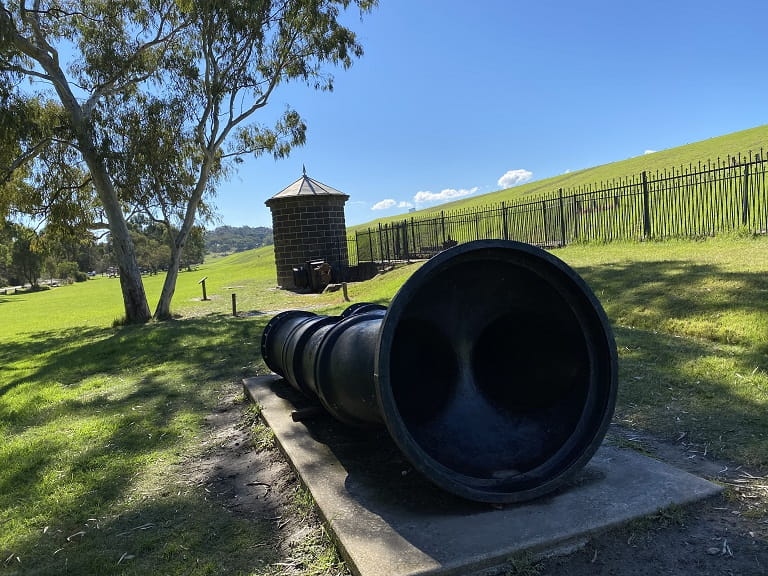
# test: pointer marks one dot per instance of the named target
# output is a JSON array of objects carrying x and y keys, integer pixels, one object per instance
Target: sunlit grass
[
  {"x": 97, "y": 422},
  {"x": 691, "y": 323},
  {"x": 715, "y": 289}
]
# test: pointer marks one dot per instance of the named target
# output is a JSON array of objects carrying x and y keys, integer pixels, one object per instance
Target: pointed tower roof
[{"x": 307, "y": 187}]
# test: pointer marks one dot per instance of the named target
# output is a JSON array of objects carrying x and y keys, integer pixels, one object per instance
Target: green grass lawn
[
  {"x": 691, "y": 323},
  {"x": 98, "y": 420}
]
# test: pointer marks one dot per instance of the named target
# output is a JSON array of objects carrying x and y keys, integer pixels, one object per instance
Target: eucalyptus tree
[
  {"x": 27, "y": 128},
  {"x": 159, "y": 100},
  {"x": 26, "y": 255}
]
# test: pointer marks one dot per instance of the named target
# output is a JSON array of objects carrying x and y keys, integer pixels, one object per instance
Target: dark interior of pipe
[{"x": 491, "y": 367}]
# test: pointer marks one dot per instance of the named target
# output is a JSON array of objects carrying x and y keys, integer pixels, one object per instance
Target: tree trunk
[
  {"x": 134, "y": 297},
  {"x": 163, "y": 310}
]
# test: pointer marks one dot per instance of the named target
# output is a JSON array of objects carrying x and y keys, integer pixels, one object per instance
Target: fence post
[
  {"x": 442, "y": 223},
  {"x": 646, "y": 208},
  {"x": 381, "y": 245},
  {"x": 386, "y": 239},
  {"x": 505, "y": 232},
  {"x": 357, "y": 247},
  {"x": 405, "y": 241},
  {"x": 370, "y": 244},
  {"x": 575, "y": 218},
  {"x": 205, "y": 295},
  {"x": 745, "y": 197},
  {"x": 562, "y": 217},
  {"x": 544, "y": 221}
]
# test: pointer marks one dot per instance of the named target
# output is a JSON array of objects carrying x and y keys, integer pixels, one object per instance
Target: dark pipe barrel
[{"x": 494, "y": 369}]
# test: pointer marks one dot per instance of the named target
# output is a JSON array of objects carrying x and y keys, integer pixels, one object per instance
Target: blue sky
[{"x": 452, "y": 95}]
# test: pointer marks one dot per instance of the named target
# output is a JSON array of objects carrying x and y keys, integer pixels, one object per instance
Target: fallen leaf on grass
[
  {"x": 146, "y": 526},
  {"x": 726, "y": 548}
]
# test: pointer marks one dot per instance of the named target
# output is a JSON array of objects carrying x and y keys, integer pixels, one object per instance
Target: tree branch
[
  {"x": 34, "y": 23},
  {"x": 114, "y": 85},
  {"x": 29, "y": 155},
  {"x": 27, "y": 72},
  {"x": 59, "y": 13}
]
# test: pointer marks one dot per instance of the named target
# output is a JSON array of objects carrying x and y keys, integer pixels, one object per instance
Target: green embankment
[{"x": 733, "y": 144}]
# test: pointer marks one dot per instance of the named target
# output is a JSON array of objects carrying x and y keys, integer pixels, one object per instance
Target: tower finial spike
[{"x": 304, "y": 169}]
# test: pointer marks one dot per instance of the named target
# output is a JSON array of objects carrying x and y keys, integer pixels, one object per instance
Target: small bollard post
[
  {"x": 205, "y": 296},
  {"x": 234, "y": 304},
  {"x": 344, "y": 290}
]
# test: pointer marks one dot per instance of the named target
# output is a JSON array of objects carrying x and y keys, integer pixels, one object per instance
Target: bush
[
  {"x": 67, "y": 270},
  {"x": 80, "y": 276}
]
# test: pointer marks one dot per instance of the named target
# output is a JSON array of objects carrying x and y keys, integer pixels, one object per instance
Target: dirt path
[
  {"x": 251, "y": 478},
  {"x": 726, "y": 535},
  {"x": 723, "y": 536}
]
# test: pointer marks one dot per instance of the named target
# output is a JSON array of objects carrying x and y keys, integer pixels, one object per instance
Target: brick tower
[{"x": 308, "y": 224}]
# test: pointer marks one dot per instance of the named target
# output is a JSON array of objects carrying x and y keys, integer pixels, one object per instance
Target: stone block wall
[{"x": 308, "y": 228}]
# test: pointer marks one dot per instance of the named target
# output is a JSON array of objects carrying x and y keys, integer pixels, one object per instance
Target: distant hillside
[
  {"x": 722, "y": 146},
  {"x": 228, "y": 239}
]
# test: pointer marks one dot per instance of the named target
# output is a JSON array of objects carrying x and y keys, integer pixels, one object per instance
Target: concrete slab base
[{"x": 390, "y": 521}]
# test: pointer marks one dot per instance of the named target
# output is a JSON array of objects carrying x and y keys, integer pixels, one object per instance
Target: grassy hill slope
[{"x": 722, "y": 146}]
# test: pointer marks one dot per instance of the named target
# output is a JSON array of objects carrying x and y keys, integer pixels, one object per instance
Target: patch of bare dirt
[
  {"x": 253, "y": 482},
  {"x": 722, "y": 536}
]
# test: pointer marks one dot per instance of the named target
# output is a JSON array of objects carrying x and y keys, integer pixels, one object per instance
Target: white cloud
[
  {"x": 423, "y": 197},
  {"x": 384, "y": 204},
  {"x": 649, "y": 151},
  {"x": 390, "y": 203},
  {"x": 515, "y": 177}
]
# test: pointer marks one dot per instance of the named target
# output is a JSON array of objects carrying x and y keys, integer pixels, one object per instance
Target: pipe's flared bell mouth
[{"x": 496, "y": 371}]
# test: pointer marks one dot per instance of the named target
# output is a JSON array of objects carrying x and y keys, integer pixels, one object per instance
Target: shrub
[{"x": 67, "y": 270}]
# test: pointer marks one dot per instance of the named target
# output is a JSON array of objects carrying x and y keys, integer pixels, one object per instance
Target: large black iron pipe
[{"x": 494, "y": 369}]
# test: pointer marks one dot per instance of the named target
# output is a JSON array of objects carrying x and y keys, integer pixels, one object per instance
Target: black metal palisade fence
[{"x": 698, "y": 200}]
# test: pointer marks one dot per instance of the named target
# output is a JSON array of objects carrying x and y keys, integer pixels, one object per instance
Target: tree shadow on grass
[
  {"x": 694, "y": 391},
  {"x": 685, "y": 298},
  {"x": 38, "y": 346},
  {"x": 693, "y": 352},
  {"x": 78, "y": 368},
  {"x": 97, "y": 421},
  {"x": 170, "y": 533},
  {"x": 67, "y": 357}
]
